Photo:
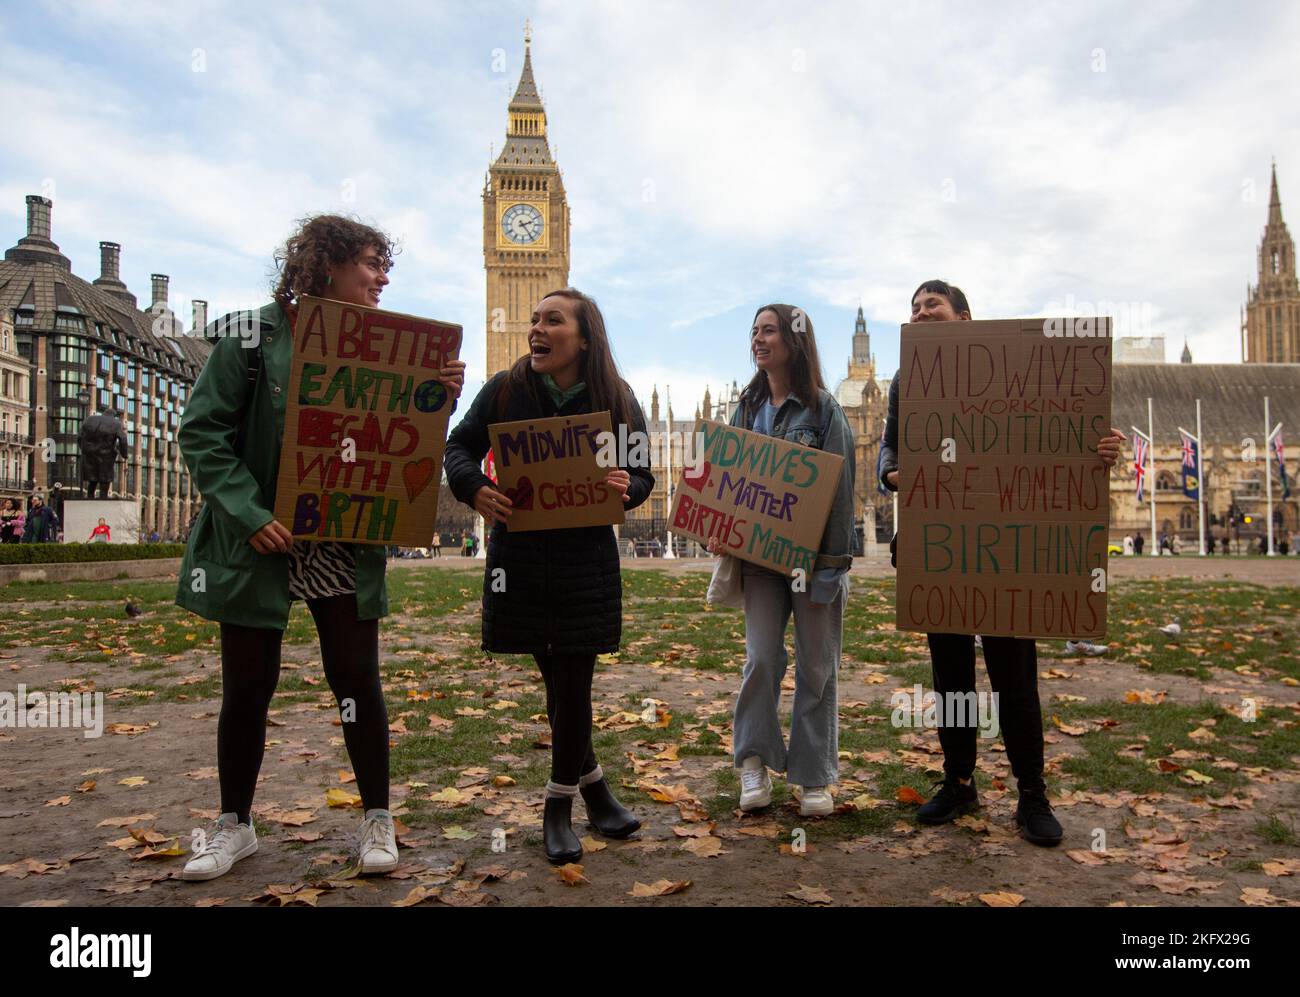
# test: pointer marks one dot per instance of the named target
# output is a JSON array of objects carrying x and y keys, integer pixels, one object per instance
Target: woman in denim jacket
[{"x": 788, "y": 398}]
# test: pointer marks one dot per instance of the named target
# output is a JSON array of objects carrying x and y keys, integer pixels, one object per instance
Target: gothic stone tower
[
  {"x": 1270, "y": 328},
  {"x": 525, "y": 225}
]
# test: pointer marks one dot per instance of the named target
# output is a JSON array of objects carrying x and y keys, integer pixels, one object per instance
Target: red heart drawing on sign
[
  {"x": 416, "y": 475},
  {"x": 699, "y": 479},
  {"x": 521, "y": 496}
]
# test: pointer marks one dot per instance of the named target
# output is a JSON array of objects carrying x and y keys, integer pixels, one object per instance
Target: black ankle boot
[
  {"x": 950, "y": 802},
  {"x": 610, "y": 817},
  {"x": 1035, "y": 819},
  {"x": 562, "y": 845}
]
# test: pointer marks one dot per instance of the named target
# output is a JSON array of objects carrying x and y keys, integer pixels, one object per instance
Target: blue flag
[{"x": 1191, "y": 462}]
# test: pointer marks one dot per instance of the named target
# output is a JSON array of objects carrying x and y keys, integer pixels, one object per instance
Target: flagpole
[
  {"x": 1200, "y": 477},
  {"x": 668, "y": 486},
  {"x": 1268, "y": 475},
  {"x": 1151, "y": 476}
]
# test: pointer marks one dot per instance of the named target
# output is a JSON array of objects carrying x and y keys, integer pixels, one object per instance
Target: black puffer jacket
[{"x": 563, "y": 588}]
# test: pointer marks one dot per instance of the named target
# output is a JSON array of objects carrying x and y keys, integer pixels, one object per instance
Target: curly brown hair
[{"x": 321, "y": 241}]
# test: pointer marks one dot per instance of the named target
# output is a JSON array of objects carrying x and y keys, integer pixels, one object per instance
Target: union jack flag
[
  {"x": 1140, "y": 463},
  {"x": 1189, "y": 451}
]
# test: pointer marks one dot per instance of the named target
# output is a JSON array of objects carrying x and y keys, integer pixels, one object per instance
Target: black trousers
[
  {"x": 568, "y": 707},
  {"x": 1012, "y": 664},
  {"x": 250, "y": 670}
]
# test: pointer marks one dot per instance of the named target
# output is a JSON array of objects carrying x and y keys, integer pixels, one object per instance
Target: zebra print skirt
[{"x": 321, "y": 569}]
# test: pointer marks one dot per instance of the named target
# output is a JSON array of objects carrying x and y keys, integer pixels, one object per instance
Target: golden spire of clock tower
[{"x": 525, "y": 223}]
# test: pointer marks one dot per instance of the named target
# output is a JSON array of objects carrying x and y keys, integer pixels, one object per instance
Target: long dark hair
[
  {"x": 605, "y": 386},
  {"x": 320, "y": 241},
  {"x": 805, "y": 366}
]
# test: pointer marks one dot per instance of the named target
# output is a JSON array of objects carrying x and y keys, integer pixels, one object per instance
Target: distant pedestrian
[
  {"x": 436, "y": 549},
  {"x": 42, "y": 525},
  {"x": 1128, "y": 545},
  {"x": 101, "y": 534},
  {"x": 11, "y": 522},
  {"x": 1138, "y": 544}
]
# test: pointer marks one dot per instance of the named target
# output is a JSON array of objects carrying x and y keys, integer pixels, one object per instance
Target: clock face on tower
[{"x": 522, "y": 224}]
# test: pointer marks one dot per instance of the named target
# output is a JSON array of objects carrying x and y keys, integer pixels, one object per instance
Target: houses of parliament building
[{"x": 526, "y": 251}]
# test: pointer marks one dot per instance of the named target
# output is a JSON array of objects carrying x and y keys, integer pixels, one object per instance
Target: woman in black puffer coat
[{"x": 560, "y": 596}]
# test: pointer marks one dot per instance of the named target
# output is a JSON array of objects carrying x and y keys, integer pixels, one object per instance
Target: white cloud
[{"x": 716, "y": 156}]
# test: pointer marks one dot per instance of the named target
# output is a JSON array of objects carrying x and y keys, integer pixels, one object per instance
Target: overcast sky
[{"x": 716, "y": 156}]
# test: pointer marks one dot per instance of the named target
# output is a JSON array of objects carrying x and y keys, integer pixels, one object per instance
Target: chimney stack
[
  {"x": 36, "y": 246},
  {"x": 38, "y": 217},
  {"x": 200, "y": 316},
  {"x": 110, "y": 257},
  {"x": 160, "y": 281},
  {"x": 110, "y": 273}
]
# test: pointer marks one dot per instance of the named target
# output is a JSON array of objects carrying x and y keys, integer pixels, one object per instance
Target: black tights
[
  {"x": 568, "y": 707},
  {"x": 250, "y": 669}
]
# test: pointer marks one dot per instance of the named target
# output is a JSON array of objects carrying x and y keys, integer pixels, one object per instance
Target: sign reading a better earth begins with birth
[{"x": 365, "y": 425}]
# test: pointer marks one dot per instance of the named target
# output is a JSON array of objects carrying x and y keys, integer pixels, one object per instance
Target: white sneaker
[
  {"x": 814, "y": 801},
  {"x": 227, "y": 842},
  {"x": 755, "y": 784},
  {"x": 1086, "y": 647},
  {"x": 377, "y": 844}
]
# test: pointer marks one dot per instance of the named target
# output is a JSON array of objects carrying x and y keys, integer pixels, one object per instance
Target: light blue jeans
[{"x": 813, "y": 755}]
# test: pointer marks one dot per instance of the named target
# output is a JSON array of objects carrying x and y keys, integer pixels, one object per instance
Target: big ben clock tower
[{"x": 525, "y": 225}]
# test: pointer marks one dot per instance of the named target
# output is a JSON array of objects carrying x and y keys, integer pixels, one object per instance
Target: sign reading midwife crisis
[
  {"x": 365, "y": 425},
  {"x": 766, "y": 500},
  {"x": 1004, "y": 504},
  {"x": 548, "y": 470}
]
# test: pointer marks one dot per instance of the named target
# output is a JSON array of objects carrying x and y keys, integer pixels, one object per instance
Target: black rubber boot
[
  {"x": 562, "y": 845},
  {"x": 1036, "y": 821},
  {"x": 609, "y": 817},
  {"x": 950, "y": 802}
]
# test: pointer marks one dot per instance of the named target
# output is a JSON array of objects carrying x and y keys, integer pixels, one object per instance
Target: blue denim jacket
[{"x": 826, "y": 429}]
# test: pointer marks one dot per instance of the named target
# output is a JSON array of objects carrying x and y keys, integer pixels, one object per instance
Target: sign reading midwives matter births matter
[
  {"x": 549, "y": 471},
  {"x": 766, "y": 500},
  {"x": 365, "y": 425},
  {"x": 1004, "y": 504}
]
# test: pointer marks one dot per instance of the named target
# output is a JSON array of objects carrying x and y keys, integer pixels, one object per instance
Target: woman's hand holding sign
[
  {"x": 1108, "y": 447},
  {"x": 619, "y": 480},
  {"x": 491, "y": 504},
  {"x": 453, "y": 377}
]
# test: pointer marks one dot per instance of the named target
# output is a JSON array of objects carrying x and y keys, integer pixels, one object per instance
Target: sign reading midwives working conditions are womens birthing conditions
[
  {"x": 365, "y": 424},
  {"x": 1004, "y": 503}
]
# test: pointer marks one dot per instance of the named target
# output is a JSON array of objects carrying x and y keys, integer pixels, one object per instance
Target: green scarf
[{"x": 561, "y": 397}]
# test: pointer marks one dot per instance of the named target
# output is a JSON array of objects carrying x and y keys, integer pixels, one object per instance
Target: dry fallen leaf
[
  {"x": 810, "y": 895},
  {"x": 1002, "y": 899},
  {"x": 704, "y": 848},
  {"x": 659, "y": 888},
  {"x": 571, "y": 874},
  {"x": 418, "y": 895},
  {"x": 336, "y": 797},
  {"x": 906, "y": 794},
  {"x": 1260, "y": 896}
]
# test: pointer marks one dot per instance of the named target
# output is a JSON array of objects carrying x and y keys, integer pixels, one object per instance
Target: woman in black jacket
[{"x": 560, "y": 595}]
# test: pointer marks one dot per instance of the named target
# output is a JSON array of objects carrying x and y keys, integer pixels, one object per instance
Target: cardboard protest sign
[
  {"x": 766, "y": 499},
  {"x": 548, "y": 470},
  {"x": 1004, "y": 506},
  {"x": 365, "y": 425}
]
